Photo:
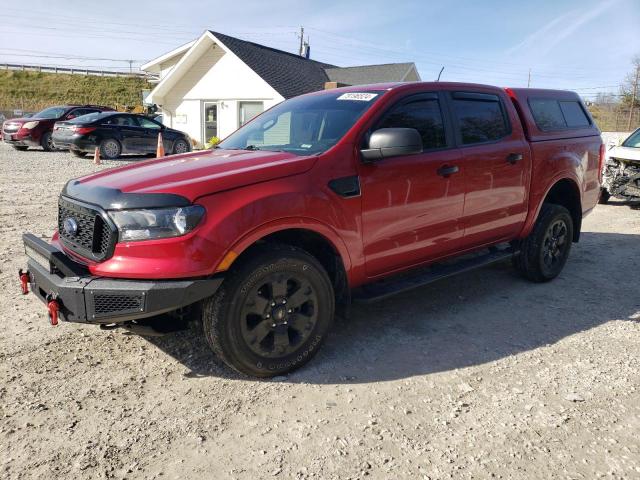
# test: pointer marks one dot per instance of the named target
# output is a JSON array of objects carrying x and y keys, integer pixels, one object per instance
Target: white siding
[{"x": 219, "y": 77}]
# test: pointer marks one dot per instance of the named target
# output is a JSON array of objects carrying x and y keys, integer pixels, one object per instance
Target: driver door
[{"x": 412, "y": 205}]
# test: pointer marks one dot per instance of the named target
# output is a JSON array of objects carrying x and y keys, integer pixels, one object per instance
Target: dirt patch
[{"x": 476, "y": 376}]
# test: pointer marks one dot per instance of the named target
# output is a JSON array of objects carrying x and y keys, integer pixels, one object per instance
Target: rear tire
[
  {"x": 78, "y": 153},
  {"x": 604, "y": 196},
  {"x": 20, "y": 148},
  {"x": 110, "y": 149},
  {"x": 46, "y": 142},
  {"x": 544, "y": 252},
  {"x": 272, "y": 313}
]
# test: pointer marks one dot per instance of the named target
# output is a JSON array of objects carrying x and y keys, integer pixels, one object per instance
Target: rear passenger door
[
  {"x": 127, "y": 131},
  {"x": 497, "y": 163}
]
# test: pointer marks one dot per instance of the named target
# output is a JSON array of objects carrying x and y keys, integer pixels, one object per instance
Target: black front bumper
[{"x": 86, "y": 298}]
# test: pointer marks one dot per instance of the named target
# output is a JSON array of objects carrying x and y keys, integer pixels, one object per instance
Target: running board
[{"x": 434, "y": 272}]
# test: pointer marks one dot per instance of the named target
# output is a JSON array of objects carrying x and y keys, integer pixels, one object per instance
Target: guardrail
[{"x": 72, "y": 71}]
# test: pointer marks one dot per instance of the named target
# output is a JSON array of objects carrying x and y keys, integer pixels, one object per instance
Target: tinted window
[
  {"x": 633, "y": 141},
  {"x": 146, "y": 123},
  {"x": 424, "y": 115},
  {"x": 547, "y": 114},
  {"x": 574, "y": 114},
  {"x": 480, "y": 120},
  {"x": 121, "y": 121}
]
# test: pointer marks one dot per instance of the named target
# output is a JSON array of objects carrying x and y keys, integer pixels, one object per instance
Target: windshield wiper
[{"x": 251, "y": 147}]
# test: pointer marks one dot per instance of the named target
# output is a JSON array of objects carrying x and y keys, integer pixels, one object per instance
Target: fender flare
[
  {"x": 534, "y": 213},
  {"x": 288, "y": 223}
]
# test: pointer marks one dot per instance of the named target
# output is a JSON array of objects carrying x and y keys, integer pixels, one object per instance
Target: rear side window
[
  {"x": 424, "y": 115},
  {"x": 574, "y": 114},
  {"x": 552, "y": 114},
  {"x": 480, "y": 117}
]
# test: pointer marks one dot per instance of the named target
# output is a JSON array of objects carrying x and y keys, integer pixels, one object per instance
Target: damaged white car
[{"x": 621, "y": 173}]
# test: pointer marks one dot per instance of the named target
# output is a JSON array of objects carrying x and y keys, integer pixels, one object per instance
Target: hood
[
  {"x": 174, "y": 179},
  {"x": 29, "y": 119},
  {"x": 625, "y": 153}
]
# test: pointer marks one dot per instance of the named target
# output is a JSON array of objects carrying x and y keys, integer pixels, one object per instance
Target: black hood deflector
[{"x": 114, "y": 199}]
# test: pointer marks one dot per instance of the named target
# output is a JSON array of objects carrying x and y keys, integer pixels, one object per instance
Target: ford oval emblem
[{"x": 70, "y": 226}]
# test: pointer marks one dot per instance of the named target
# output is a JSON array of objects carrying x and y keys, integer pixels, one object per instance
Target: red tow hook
[
  {"x": 24, "y": 281},
  {"x": 53, "y": 308}
]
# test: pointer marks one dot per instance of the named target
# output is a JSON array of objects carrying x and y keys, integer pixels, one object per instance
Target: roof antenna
[{"x": 441, "y": 70}]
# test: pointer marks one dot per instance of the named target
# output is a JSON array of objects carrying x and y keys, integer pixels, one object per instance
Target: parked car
[
  {"x": 339, "y": 195},
  {"x": 36, "y": 130},
  {"x": 116, "y": 134},
  {"x": 621, "y": 176}
]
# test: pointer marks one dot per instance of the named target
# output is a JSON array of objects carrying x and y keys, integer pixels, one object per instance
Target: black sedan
[{"x": 116, "y": 134}]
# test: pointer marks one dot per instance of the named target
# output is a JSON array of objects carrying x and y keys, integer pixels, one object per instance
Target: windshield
[
  {"x": 633, "y": 141},
  {"x": 303, "y": 125},
  {"x": 50, "y": 113}
]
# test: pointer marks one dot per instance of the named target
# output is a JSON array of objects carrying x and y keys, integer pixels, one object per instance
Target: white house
[{"x": 211, "y": 86}]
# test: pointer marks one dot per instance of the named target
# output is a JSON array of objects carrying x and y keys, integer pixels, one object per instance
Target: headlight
[
  {"x": 30, "y": 125},
  {"x": 154, "y": 223}
]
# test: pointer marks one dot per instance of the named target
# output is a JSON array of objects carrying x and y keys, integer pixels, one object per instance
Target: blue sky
[{"x": 575, "y": 44}]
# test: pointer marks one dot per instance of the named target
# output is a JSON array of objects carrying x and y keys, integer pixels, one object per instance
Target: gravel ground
[{"x": 478, "y": 376}]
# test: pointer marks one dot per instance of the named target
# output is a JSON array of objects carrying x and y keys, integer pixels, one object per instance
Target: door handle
[
  {"x": 447, "y": 170},
  {"x": 514, "y": 158}
]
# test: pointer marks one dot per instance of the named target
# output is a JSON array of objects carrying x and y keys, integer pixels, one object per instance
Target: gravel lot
[{"x": 478, "y": 376}]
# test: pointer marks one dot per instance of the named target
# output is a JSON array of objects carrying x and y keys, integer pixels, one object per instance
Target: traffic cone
[
  {"x": 96, "y": 156},
  {"x": 160, "y": 150}
]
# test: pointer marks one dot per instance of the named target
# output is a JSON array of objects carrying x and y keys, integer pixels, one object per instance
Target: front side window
[
  {"x": 479, "y": 117},
  {"x": 303, "y": 125},
  {"x": 422, "y": 114}
]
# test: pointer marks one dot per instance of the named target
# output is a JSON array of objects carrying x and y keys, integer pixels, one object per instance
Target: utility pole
[
  {"x": 633, "y": 97},
  {"x": 130, "y": 66},
  {"x": 301, "y": 51},
  {"x": 529, "y": 80}
]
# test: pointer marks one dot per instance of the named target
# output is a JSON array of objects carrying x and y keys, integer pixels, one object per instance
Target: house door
[{"x": 210, "y": 120}]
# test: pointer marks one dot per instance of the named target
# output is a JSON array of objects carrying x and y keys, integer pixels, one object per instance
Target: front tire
[
  {"x": 272, "y": 312},
  {"x": 180, "y": 146},
  {"x": 544, "y": 252},
  {"x": 46, "y": 142},
  {"x": 110, "y": 149}
]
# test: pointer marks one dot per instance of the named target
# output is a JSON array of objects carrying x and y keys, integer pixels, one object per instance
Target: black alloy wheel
[{"x": 279, "y": 315}]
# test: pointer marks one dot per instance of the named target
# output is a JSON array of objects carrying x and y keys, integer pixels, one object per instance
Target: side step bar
[{"x": 385, "y": 288}]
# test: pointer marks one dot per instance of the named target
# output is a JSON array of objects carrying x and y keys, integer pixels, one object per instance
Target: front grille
[
  {"x": 117, "y": 304},
  {"x": 94, "y": 238},
  {"x": 11, "y": 127}
]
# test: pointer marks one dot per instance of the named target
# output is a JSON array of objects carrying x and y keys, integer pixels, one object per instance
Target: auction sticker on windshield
[{"x": 362, "y": 97}]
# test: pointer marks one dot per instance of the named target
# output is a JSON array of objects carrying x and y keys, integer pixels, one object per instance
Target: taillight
[
  {"x": 83, "y": 130},
  {"x": 601, "y": 162}
]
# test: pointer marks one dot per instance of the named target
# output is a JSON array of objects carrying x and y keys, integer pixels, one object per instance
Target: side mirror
[{"x": 392, "y": 142}]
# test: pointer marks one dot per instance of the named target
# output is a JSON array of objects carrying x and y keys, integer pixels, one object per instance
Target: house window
[{"x": 249, "y": 110}]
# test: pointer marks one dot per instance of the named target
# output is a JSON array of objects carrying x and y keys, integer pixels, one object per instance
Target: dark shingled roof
[
  {"x": 289, "y": 74},
  {"x": 292, "y": 75},
  {"x": 389, "y": 72}
]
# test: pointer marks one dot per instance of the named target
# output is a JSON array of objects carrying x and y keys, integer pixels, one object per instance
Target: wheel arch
[
  {"x": 316, "y": 239},
  {"x": 565, "y": 192}
]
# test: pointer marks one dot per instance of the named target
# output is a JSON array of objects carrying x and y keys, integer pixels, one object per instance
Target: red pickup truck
[{"x": 340, "y": 195}]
